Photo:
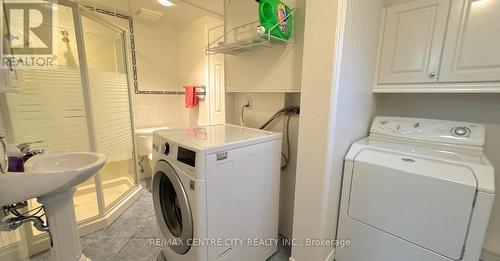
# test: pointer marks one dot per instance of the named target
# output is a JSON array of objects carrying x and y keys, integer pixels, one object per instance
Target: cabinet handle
[{"x": 432, "y": 74}]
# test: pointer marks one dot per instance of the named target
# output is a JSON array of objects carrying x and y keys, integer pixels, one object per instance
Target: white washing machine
[
  {"x": 215, "y": 190},
  {"x": 416, "y": 190}
]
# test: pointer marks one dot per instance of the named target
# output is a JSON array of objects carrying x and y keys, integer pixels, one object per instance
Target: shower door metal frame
[
  {"x": 81, "y": 11},
  {"x": 40, "y": 242}
]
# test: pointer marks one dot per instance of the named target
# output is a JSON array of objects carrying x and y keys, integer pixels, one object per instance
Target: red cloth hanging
[{"x": 191, "y": 99}]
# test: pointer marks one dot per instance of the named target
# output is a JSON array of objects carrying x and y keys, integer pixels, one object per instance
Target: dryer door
[
  {"x": 422, "y": 201},
  {"x": 172, "y": 208}
]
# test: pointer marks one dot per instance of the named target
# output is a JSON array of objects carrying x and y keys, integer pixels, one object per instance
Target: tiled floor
[{"x": 128, "y": 238}]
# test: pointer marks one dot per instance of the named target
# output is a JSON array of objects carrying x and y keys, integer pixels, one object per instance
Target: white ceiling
[
  {"x": 181, "y": 13},
  {"x": 214, "y": 6}
]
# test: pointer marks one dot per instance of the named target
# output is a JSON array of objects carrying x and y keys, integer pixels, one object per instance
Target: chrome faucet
[
  {"x": 5, "y": 159},
  {"x": 27, "y": 152}
]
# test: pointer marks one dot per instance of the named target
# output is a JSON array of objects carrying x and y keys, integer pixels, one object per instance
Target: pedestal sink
[{"x": 52, "y": 179}]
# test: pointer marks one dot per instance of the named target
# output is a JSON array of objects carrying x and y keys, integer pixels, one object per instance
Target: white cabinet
[
  {"x": 413, "y": 40},
  {"x": 440, "y": 46},
  {"x": 472, "y": 48}
]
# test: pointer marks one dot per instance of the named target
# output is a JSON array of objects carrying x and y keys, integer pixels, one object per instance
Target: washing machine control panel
[
  {"x": 186, "y": 156},
  {"x": 169, "y": 150},
  {"x": 450, "y": 132},
  {"x": 166, "y": 148}
]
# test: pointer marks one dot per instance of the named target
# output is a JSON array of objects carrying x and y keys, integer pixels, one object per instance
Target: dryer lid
[
  {"x": 425, "y": 202},
  {"x": 452, "y": 133}
]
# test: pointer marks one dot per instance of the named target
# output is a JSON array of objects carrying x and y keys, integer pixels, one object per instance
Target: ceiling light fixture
[{"x": 166, "y": 3}]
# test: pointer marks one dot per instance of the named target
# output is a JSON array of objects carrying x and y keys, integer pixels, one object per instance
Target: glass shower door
[
  {"x": 111, "y": 105},
  {"x": 49, "y": 105},
  {"x": 82, "y": 105}
]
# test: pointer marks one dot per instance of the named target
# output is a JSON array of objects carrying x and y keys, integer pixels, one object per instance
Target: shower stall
[{"x": 82, "y": 105}]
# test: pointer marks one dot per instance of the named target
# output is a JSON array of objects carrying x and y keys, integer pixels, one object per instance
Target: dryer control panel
[{"x": 449, "y": 132}]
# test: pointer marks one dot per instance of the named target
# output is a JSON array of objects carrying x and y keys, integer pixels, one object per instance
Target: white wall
[
  {"x": 265, "y": 75},
  {"x": 160, "y": 110},
  {"x": 157, "y": 69},
  {"x": 395, "y": 2},
  {"x": 318, "y": 187},
  {"x": 264, "y": 105},
  {"x": 312, "y": 181},
  {"x": 277, "y": 69},
  {"x": 354, "y": 105},
  {"x": 157, "y": 55},
  {"x": 193, "y": 63},
  {"x": 478, "y": 108},
  {"x": 169, "y": 58},
  {"x": 288, "y": 178}
]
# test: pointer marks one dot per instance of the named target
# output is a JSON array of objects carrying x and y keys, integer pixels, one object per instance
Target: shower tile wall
[
  {"x": 166, "y": 110},
  {"x": 170, "y": 56},
  {"x": 160, "y": 110}
]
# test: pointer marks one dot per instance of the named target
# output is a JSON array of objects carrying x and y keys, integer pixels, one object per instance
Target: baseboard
[
  {"x": 489, "y": 256},
  {"x": 14, "y": 252}
]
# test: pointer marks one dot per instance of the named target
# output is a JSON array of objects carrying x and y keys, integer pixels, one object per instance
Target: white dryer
[
  {"x": 215, "y": 189},
  {"x": 416, "y": 190}
]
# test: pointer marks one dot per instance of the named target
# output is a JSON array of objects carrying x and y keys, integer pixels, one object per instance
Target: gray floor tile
[
  {"x": 146, "y": 183},
  {"x": 123, "y": 227},
  {"x": 149, "y": 229},
  {"x": 44, "y": 256},
  {"x": 141, "y": 208},
  {"x": 146, "y": 197},
  {"x": 282, "y": 254},
  {"x": 92, "y": 235},
  {"x": 279, "y": 256},
  {"x": 104, "y": 249},
  {"x": 137, "y": 249},
  {"x": 159, "y": 256},
  {"x": 128, "y": 238},
  {"x": 85, "y": 241}
]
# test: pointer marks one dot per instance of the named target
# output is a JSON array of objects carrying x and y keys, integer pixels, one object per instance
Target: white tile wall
[{"x": 160, "y": 110}]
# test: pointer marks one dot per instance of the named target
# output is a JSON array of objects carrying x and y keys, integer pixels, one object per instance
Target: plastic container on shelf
[{"x": 275, "y": 18}]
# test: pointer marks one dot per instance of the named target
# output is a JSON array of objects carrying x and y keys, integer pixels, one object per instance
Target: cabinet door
[
  {"x": 412, "y": 41},
  {"x": 472, "y": 48}
]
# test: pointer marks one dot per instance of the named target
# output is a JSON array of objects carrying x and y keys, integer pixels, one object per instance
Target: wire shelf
[{"x": 246, "y": 38}]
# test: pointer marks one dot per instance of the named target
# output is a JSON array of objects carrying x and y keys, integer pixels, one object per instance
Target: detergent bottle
[{"x": 272, "y": 12}]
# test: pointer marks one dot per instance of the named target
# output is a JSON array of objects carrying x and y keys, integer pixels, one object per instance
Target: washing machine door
[{"x": 172, "y": 208}]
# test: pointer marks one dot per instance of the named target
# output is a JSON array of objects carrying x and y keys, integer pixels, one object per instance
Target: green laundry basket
[{"x": 272, "y": 14}]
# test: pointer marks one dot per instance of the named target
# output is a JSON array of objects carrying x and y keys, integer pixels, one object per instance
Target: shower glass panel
[
  {"x": 82, "y": 105},
  {"x": 49, "y": 105},
  {"x": 110, "y": 101},
  {"x": 13, "y": 246}
]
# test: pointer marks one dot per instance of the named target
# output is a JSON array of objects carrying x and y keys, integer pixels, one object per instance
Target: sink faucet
[
  {"x": 26, "y": 150},
  {"x": 5, "y": 159}
]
